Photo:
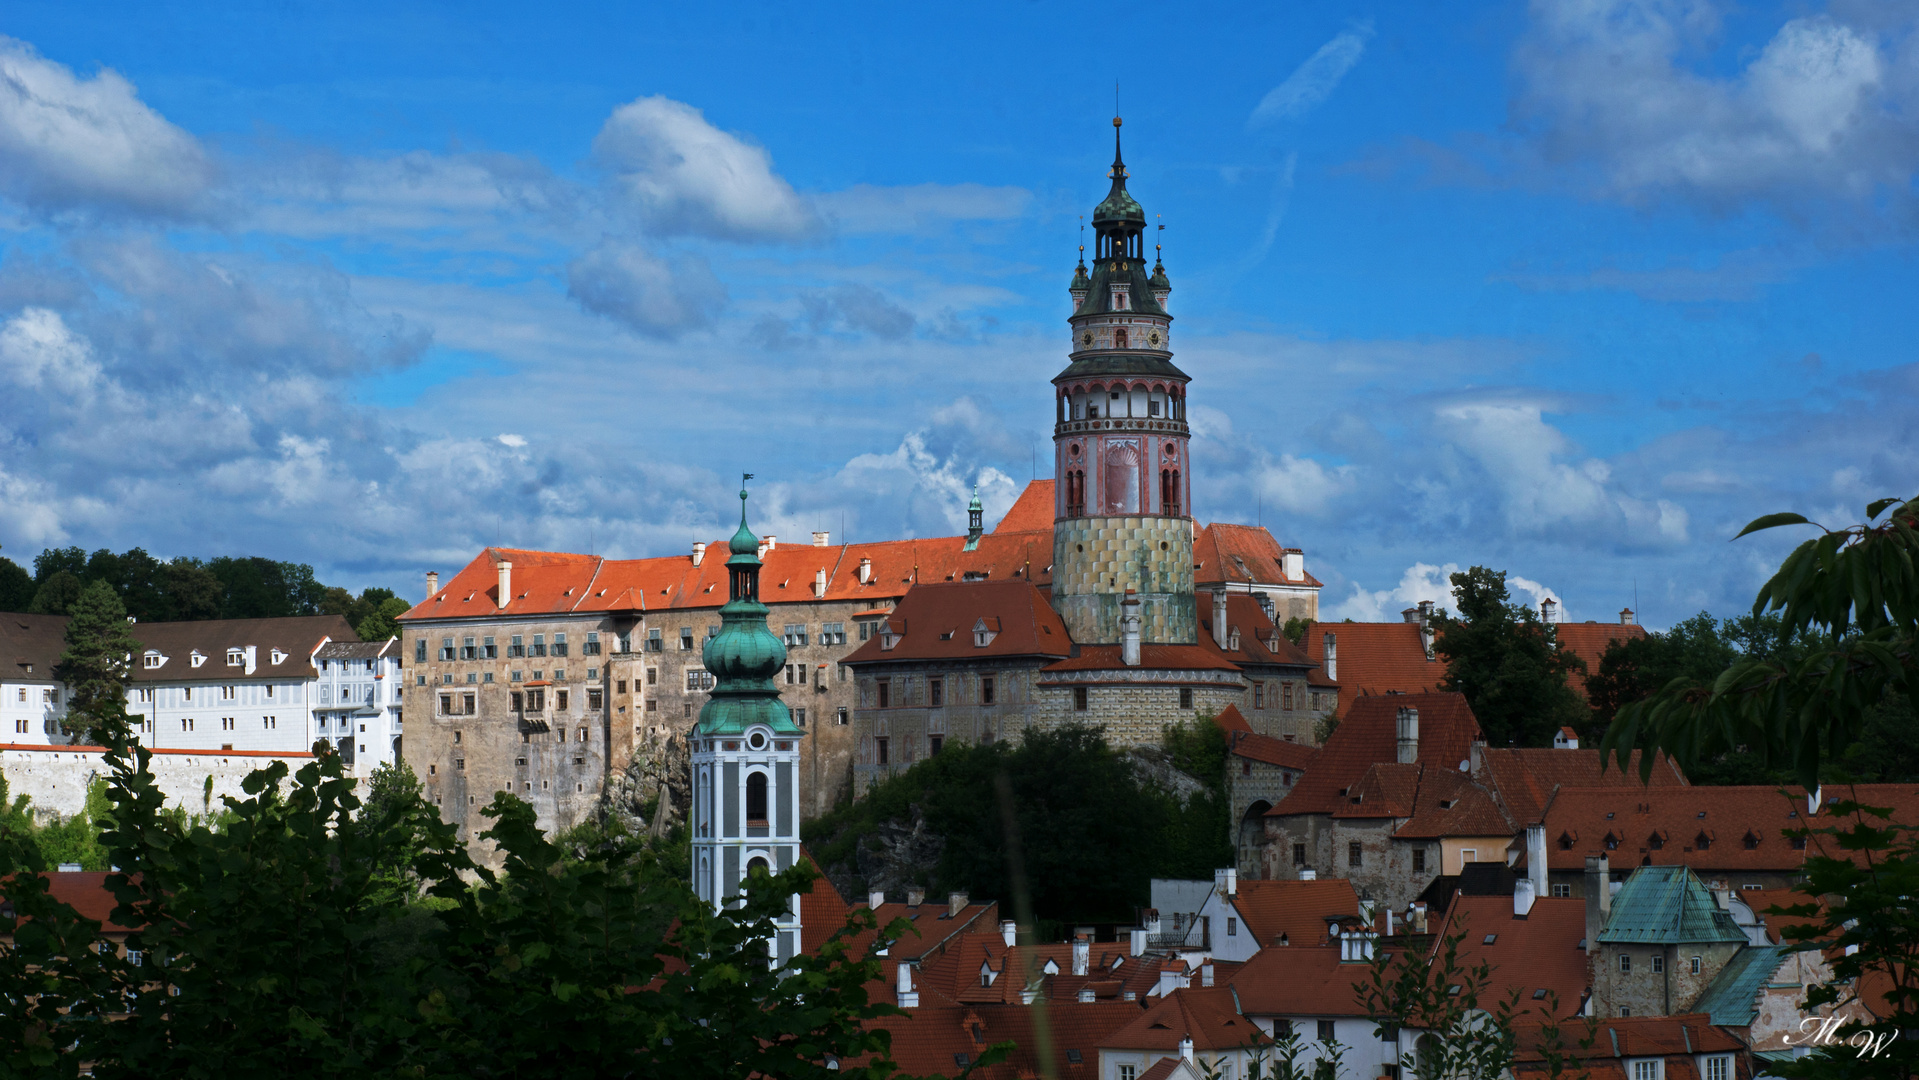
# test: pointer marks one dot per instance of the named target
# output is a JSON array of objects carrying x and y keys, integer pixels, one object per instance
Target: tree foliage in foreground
[
  {"x": 1856, "y": 592},
  {"x": 279, "y": 945}
]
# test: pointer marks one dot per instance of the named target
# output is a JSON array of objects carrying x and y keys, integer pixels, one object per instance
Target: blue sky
[{"x": 1572, "y": 290}]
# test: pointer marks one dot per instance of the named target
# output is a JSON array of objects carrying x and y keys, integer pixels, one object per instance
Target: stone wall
[
  {"x": 1252, "y": 788},
  {"x": 1385, "y": 872},
  {"x": 56, "y": 778},
  {"x": 1096, "y": 559},
  {"x": 1646, "y": 992}
]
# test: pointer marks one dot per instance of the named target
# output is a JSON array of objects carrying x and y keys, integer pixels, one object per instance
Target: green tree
[
  {"x": 383, "y": 621},
  {"x": 191, "y": 591},
  {"x": 76, "y": 839},
  {"x": 1295, "y": 630},
  {"x": 1853, "y": 594},
  {"x": 97, "y": 662},
  {"x": 1505, "y": 661},
  {"x": 57, "y": 594},
  {"x": 16, "y": 586},
  {"x": 393, "y": 791}
]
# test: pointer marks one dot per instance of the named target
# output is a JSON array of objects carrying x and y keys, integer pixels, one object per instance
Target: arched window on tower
[
  {"x": 756, "y": 799},
  {"x": 1174, "y": 502},
  {"x": 1119, "y": 336}
]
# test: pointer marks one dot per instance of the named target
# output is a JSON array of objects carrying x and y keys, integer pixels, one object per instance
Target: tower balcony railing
[{"x": 1122, "y": 423}]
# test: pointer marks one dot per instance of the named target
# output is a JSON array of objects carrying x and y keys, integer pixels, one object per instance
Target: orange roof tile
[
  {"x": 1636, "y": 1036},
  {"x": 1375, "y": 658},
  {"x": 1224, "y": 552},
  {"x": 1243, "y": 741},
  {"x": 1369, "y": 735},
  {"x": 1589, "y": 640},
  {"x": 938, "y": 621},
  {"x": 86, "y": 892},
  {"x": 1032, "y": 511},
  {"x": 1525, "y": 779},
  {"x": 1300, "y": 981},
  {"x": 1741, "y": 825},
  {"x": 931, "y": 1040},
  {"x": 1260, "y": 641},
  {"x": 1204, "y": 1014},
  {"x": 1297, "y": 910},
  {"x": 1540, "y": 951}
]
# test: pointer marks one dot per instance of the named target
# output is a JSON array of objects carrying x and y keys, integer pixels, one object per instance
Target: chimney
[
  {"x": 1410, "y": 615},
  {"x": 1426, "y": 629},
  {"x": 1226, "y": 882},
  {"x": 1129, "y": 629},
  {"x": 506, "y": 583},
  {"x": 1549, "y": 610},
  {"x": 1408, "y": 736},
  {"x": 1522, "y": 898},
  {"x": 1598, "y": 899},
  {"x": 909, "y": 998},
  {"x": 1331, "y": 661},
  {"x": 699, "y": 552},
  {"x": 915, "y": 896},
  {"x": 1219, "y": 617},
  {"x": 1186, "y": 1048},
  {"x": 1009, "y": 932},
  {"x": 875, "y": 898},
  {"x": 1082, "y": 954},
  {"x": 1206, "y": 974},
  {"x": 1536, "y": 858},
  {"x": 820, "y": 538},
  {"x": 432, "y": 582},
  {"x": 1137, "y": 946},
  {"x": 1389, "y": 922},
  {"x": 1625, "y": 616},
  {"x": 819, "y": 581},
  {"x": 866, "y": 571},
  {"x": 1293, "y": 562},
  {"x": 955, "y": 903}
]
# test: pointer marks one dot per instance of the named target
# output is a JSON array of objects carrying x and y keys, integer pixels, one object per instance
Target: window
[
  {"x": 594, "y": 699},
  {"x": 936, "y": 692},
  {"x": 235, "y": 657},
  {"x": 1716, "y": 1067},
  {"x": 1353, "y": 854},
  {"x": 1299, "y": 854},
  {"x": 517, "y": 648},
  {"x": 559, "y": 644},
  {"x": 1232, "y": 926},
  {"x": 1695, "y": 965},
  {"x": 1185, "y": 697},
  {"x": 934, "y": 743},
  {"x": 652, "y": 676},
  {"x": 833, "y": 633},
  {"x": 843, "y": 718},
  {"x": 884, "y": 689},
  {"x": 1286, "y": 695},
  {"x": 539, "y": 645},
  {"x": 756, "y": 798},
  {"x": 467, "y": 706},
  {"x": 799, "y": 717},
  {"x": 653, "y": 642},
  {"x": 1625, "y": 963},
  {"x": 1648, "y": 1068},
  {"x": 488, "y": 650},
  {"x": 1129, "y": 1072},
  {"x": 229, "y": 693},
  {"x": 699, "y": 679},
  {"x": 1079, "y": 698},
  {"x": 535, "y": 700},
  {"x": 1325, "y": 1031},
  {"x": 1658, "y": 964},
  {"x": 879, "y": 750},
  {"x": 446, "y": 704},
  {"x": 686, "y": 639},
  {"x": 419, "y": 652},
  {"x": 592, "y": 646},
  {"x": 793, "y": 634},
  {"x": 468, "y": 650},
  {"x": 154, "y": 659},
  {"x": 1562, "y": 890},
  {"x": 986, "y": 690},
  {"x": 1259, "y": 695},
  {"x": 1419, "y": 862},
  {"x": 446, "y": 648},
  {"x": 559, "y": 700},
  {"x": 516, "y": 676}
]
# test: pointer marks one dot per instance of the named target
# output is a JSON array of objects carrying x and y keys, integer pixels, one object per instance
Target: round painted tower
[{"x": 1123, "y": 515}]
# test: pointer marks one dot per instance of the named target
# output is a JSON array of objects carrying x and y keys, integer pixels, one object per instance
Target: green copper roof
[
  {"x": 1667, "y": 905},
  {"x": 1733, "y": 997},
  {"x": 1120, "y": 271},
  {"x": 1119, "y": 204},
  {"x": 745, "y": 655}
]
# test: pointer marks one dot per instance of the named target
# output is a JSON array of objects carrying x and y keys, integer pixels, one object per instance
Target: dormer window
[
  {"x": 983, "y": 634},
  {"x": 279, "y": 657},
  {"x": 1565, "y": 842},
  {"x": 154, "y": 659},
  {"x": 1752, "y": 840},
  {"x": 1656, "y": 841},
  {"x": 1122, "y": 300},
  {"x": 235, "y": 658},
  {"x": 987, "y": 974},
  {"x": 197, "y": 658},
  {"x": 1051, "y": 968},
  {"x": 1612, "y": 842}
]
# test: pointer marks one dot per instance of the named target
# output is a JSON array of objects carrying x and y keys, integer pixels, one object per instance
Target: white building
[
  {"x": 230, "y": 684},
  {"x": 356, "y": 701},
  {"x": 32, "y": 701}
]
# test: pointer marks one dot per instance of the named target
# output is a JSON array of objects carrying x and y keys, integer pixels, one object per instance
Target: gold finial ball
[{"x": 1115, "y": 121}]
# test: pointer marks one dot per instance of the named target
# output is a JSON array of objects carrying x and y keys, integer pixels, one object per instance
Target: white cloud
[
  {"x": 688, "y": 177},
  {"x": 72, "y": 143},
  {"x": 1312, "y": 82},
  {"x": 38, "y": 350},
  {"x": 653, "y": 296},
  {"x": 517, "y": 442},
  {"x": 913, "y": 208},
  {"x": 1421, "y": 582},
  {"x": 1815, "y": 113}
]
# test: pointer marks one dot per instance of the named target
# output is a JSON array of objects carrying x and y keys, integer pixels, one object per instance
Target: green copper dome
[
  {"x": 1119, "y": 204},
  {"x": 745, "y": 655}
]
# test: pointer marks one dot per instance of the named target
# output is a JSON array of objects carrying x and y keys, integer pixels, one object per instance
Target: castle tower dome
[
  {"x": 1123, "y": 513},
  {"x": 746, "y": 750}
]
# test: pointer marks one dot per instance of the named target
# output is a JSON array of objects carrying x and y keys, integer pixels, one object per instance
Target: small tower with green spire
[
  {"x": 975, "y": 515},
  {"x": 746, "y": 807}
]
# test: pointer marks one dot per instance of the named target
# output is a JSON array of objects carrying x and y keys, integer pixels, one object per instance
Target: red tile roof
[
  {"x": 1375, "y": 658},
  {"x": 1538, "y": 952},
  {"x": 1730, "y": 818},
  {"x": 1525, "y": 779},
  {"x": 1151, "y": 658},
  {"x": 86, "y": 892},
  {"x": 1239, "y": 553},
  {"x": 1369, "y": 735},
  {"x": 1032, "y": 511},
  {"x": 1243, "y": 741},
  {"x": 1162, "y": 1069},
  {"x": 1260, "y": 641},
  {"x": 1206, "y": 1015},
  {"x": 936, "y": 622},
  {"x": 1448, "y": 803},
  {"x": 1300, "y": 981},
  {"x": 1635, "y": 1036},
  {"x": 927, "y": 1038},
  {"x": 1297, "y": 910},
  {"x": 1589, "y": 640}
]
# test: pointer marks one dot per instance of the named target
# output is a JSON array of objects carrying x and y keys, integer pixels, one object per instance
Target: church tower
[
  {"x": 1123, "y": 519},
  {"x": 746, "y": 751}
]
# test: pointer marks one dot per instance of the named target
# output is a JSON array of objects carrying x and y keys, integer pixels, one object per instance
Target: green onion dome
[{"x": 745, "y": 655}]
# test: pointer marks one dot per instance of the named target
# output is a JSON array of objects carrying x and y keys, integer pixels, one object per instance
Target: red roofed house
[
  {"x": 1532, "y": 946},
  {"x": 1388, "y": 802},
  {"x": 1241, "y": 918},
  {"x": 1200, "y": 1025},
  {"x": 1305, "y": 992},
  {"x": 1686, "y": 1047}
]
